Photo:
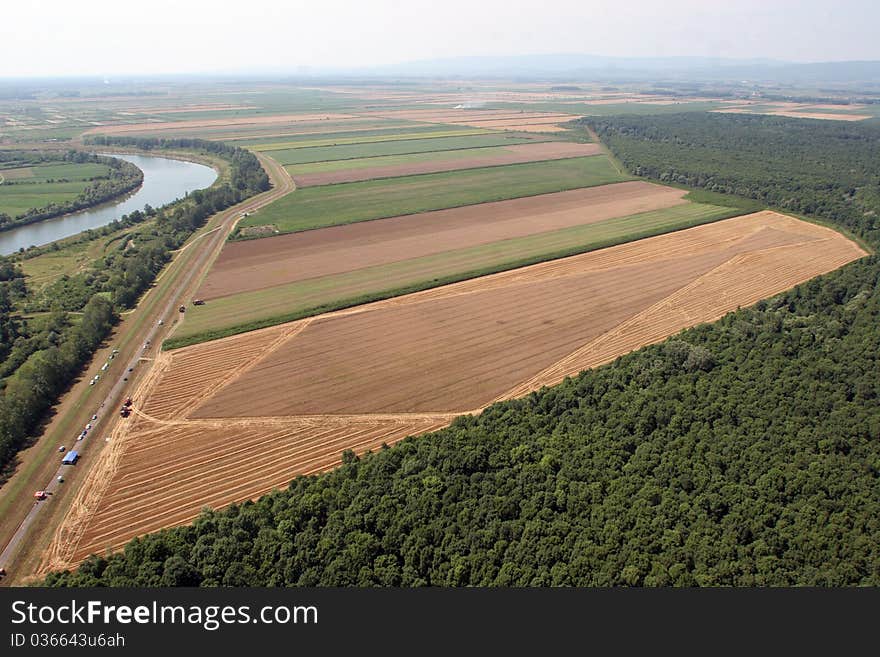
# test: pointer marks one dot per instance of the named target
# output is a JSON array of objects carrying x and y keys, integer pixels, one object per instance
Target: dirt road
[{"x": 174, "y": 288}]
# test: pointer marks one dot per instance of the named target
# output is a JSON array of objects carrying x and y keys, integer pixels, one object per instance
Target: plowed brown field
[
  {"x": 520, "y": 153},
  {"x": 259, "y": 264},
  {"x": 229, "y": 420}
]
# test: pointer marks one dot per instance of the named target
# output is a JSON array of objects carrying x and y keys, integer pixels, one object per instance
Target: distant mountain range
[{"x": 598, "y": 67}]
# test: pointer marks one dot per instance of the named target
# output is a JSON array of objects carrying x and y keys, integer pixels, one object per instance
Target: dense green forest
[
  {"x": 40, "y": 357},
  {"x": 124, "y": 177},
  {"x": 828, "y": 169},
  {"x": 745, "y": 452}
]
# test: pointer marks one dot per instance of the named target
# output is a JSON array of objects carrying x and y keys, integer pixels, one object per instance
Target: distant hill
[{"x": 600, "y": 67}]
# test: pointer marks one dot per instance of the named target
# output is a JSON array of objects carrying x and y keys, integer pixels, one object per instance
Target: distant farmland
[
  {"x": 526, "y": 121},
  {"x": 402, "y": 165},
  {"x": 211, "y": 121},
  {"x": 322, "y": 152},
  {"x": 355, "y": 130},
  {"x": 361, "y": 201},
  {"x": 404, "y": 134}
]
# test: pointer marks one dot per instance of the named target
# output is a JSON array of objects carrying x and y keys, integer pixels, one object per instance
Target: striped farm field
[
  {"x": 330, "y": 205},
  {"x": 429, "y": 143},
  {"x": 149, "y": 128},
  {"x": 271, "y": 280},
  {"x": 352, "y": 128},
  {"x": 397, "y": 135},
  {"x": 392, "y": 166},
  {"x": 275, "y": 132},
  {"x": 229, "y": 420}
]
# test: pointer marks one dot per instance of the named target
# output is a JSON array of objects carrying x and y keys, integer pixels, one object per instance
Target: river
[{"x": 165, "y": 180}]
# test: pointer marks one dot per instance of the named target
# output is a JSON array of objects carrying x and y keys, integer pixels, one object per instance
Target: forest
[
  {"x": 826, "y": 169},
  {"x": 40, "y": 358},
  {"x": 744, "y": 452},
  {"x": 124, "y": 177}
]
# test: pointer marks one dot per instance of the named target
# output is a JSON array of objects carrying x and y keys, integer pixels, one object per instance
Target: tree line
[
  {"x": 827, "y": 169},
  {"x": 745, "y": 452},
  {"x": 40, "y": 358}
]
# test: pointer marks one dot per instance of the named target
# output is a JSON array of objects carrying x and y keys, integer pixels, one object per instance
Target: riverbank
[
  {"x": 166, "y": 179},
  {"x": 44, "y": 186}
]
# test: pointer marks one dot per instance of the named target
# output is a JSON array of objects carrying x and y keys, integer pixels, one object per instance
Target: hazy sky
[{"x": 106, "y": 37}]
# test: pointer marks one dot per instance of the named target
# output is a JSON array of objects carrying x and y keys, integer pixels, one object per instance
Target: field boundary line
[
  {"x": 235, "y": 373},
  {"x": 476, "y": 132},
  {"x": 429, "y": 173}
]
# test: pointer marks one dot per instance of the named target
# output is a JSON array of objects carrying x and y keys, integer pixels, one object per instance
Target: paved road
[{"x": 208, "y": 244}]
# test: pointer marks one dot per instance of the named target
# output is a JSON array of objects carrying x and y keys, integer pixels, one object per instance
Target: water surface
[{"x": 165, "y": 180}]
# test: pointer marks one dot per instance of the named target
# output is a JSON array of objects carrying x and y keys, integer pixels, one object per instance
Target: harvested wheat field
[
  {"x": 517, "y": 154},
  {"x": 799, "y": 111},
  {"x": 825, "y": 116},
  {"x": 229, "y": 420}
]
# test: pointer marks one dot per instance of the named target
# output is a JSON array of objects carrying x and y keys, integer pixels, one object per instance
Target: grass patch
[
  {"x": 71, "y": 172},
  {"x": 726, "y": 200},
  {"x": 331, "y": 205},
  {"x": 28, "y": 187},
  {"x": 17, "y": 199},
  {"x": 49, "y": 267},
  {"x": 362, "y": 139},
  {"x": 393, "y": 160},
  {"x": 72, "y": 255},
  {"x": 257, "y": 309},
  {"x": 385, "y": 148},
  {"x": 342, "y": 133}
]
